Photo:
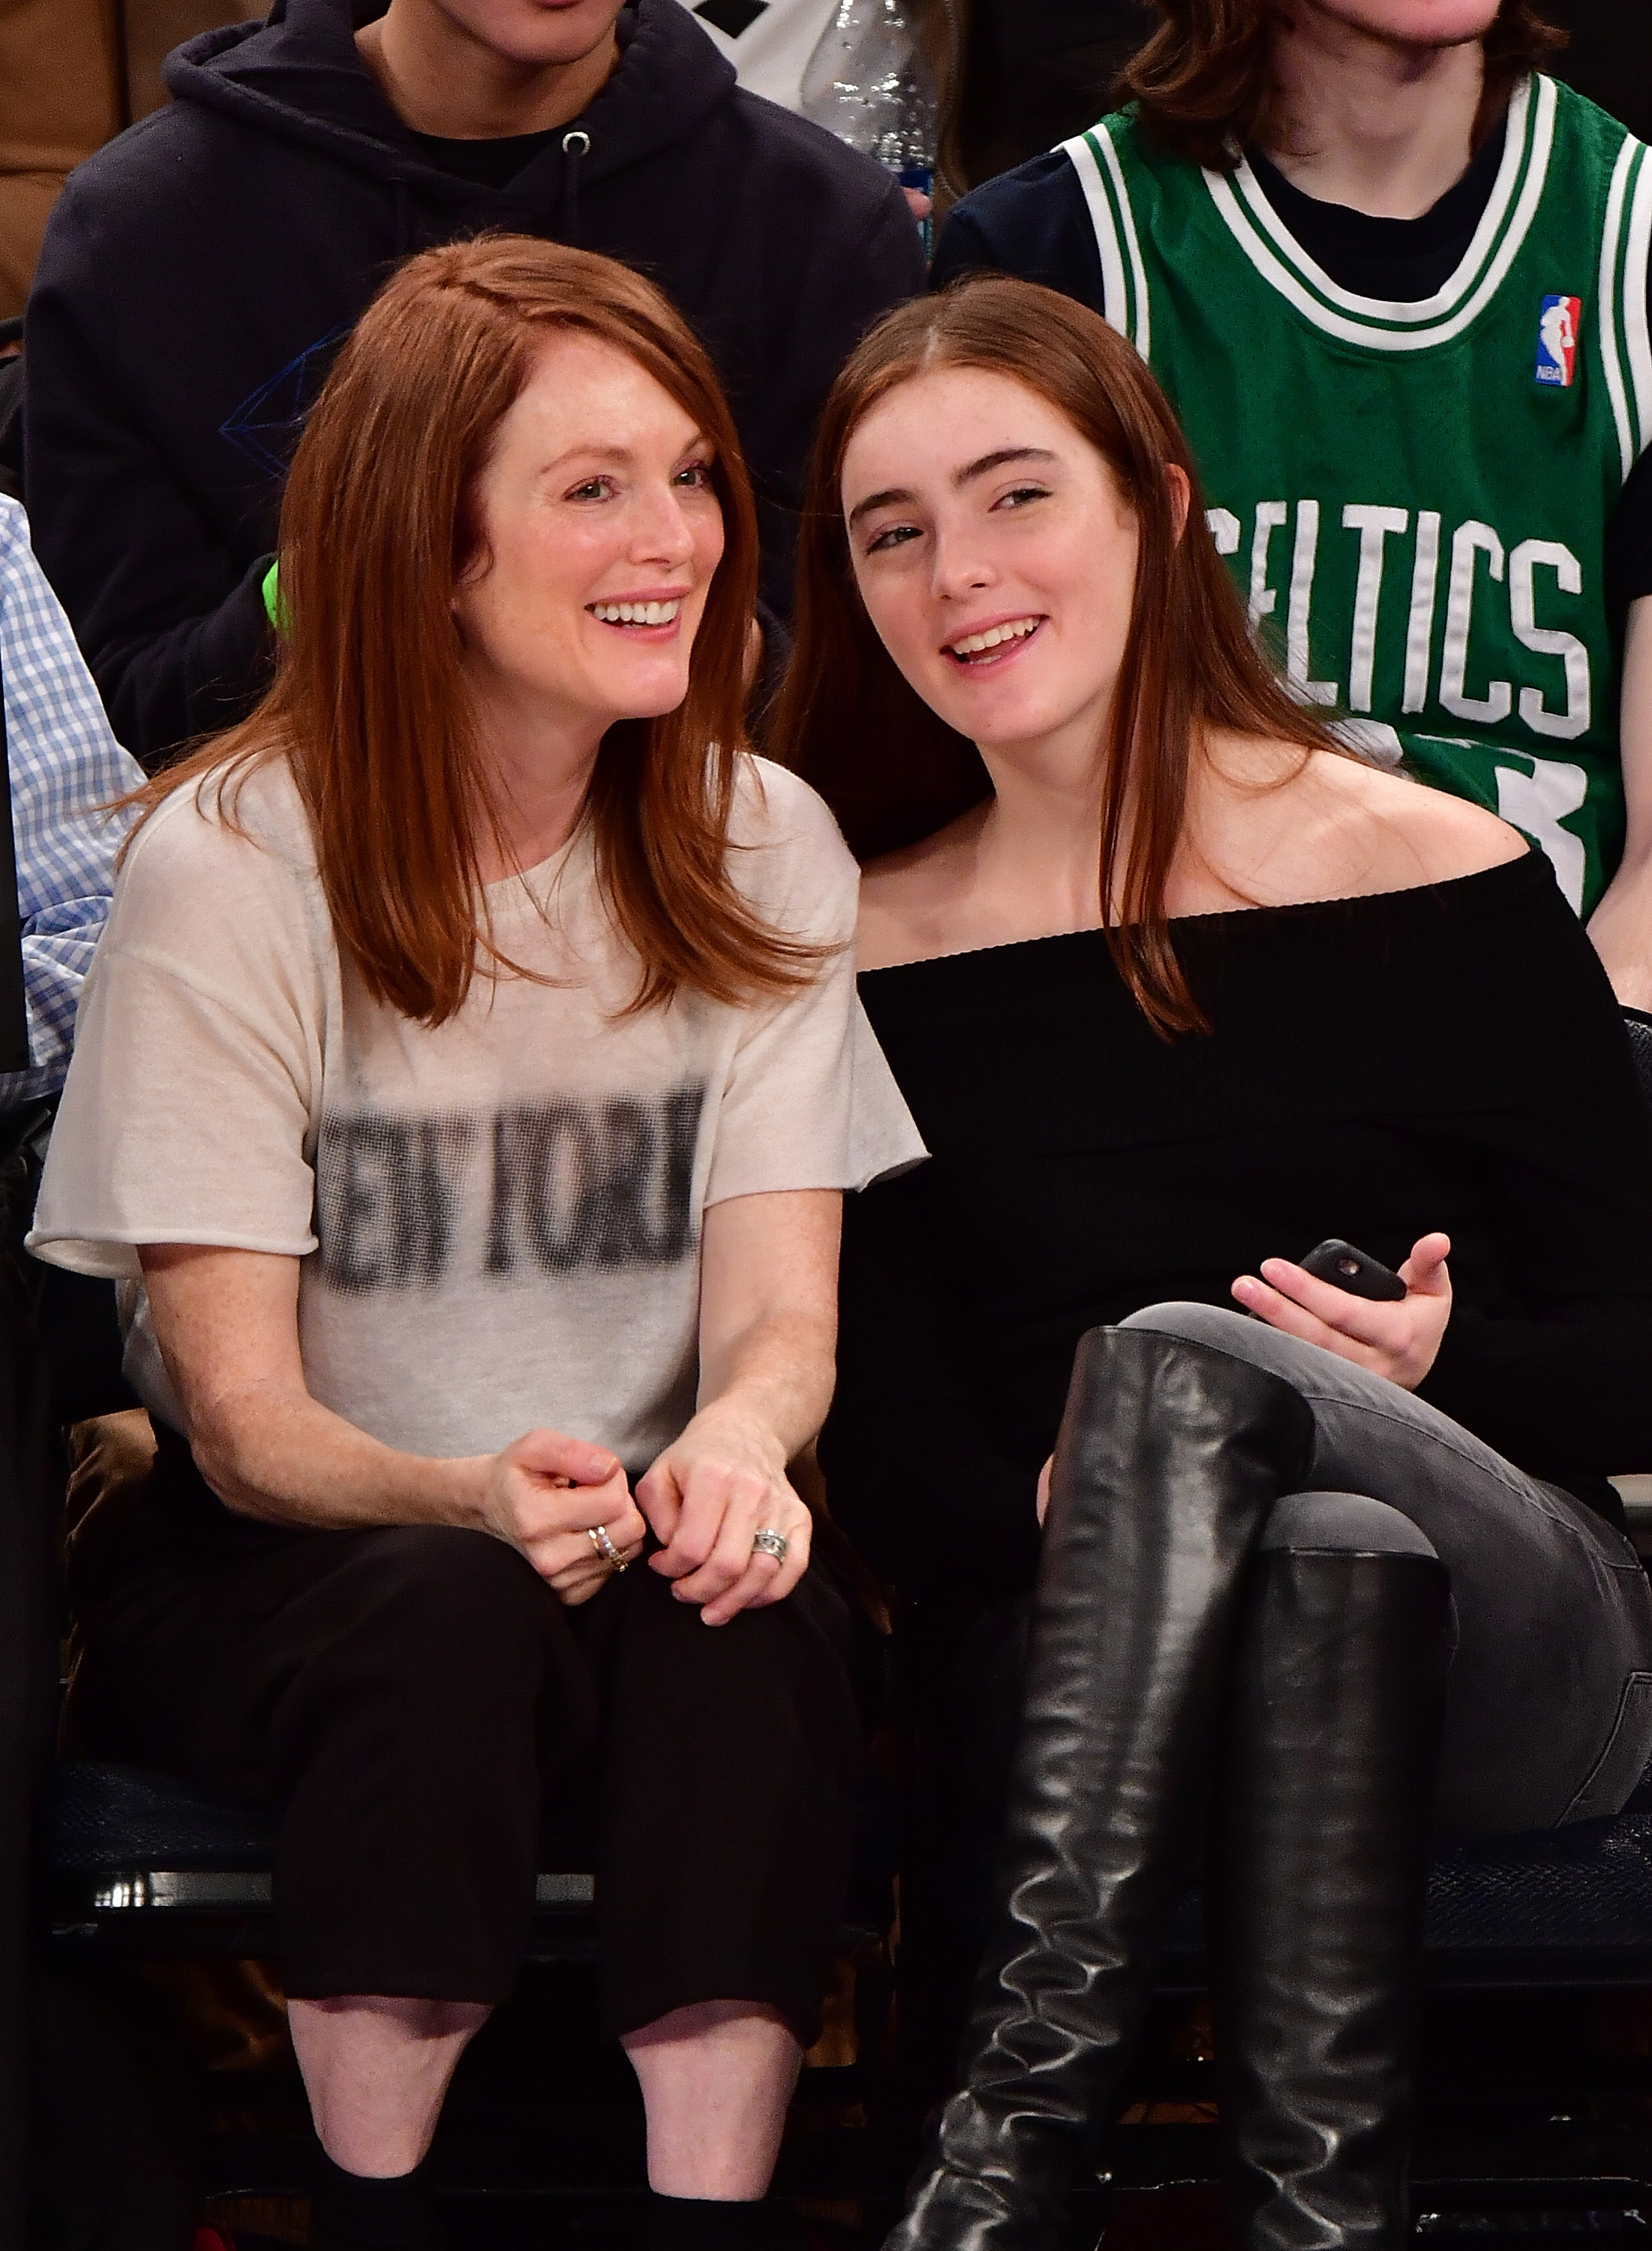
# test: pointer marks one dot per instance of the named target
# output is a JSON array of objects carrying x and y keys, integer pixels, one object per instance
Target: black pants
[{"x": 428, "y": 1720}]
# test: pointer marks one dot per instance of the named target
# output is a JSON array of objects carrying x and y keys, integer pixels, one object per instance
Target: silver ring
[
  {"x": 770, "y": 1543},
  {"x": 597, "y": 1536}
]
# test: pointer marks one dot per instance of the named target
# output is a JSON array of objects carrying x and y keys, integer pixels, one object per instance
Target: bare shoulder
[
  {"x": 1283, "y": 827},
  {"x": 1413, "y": 834},
  {"x": 913, "y": 902}
]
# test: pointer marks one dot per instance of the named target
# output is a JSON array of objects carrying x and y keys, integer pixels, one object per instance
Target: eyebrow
[
  {"x": 983, "y": 468},
  {"x": 620, "y": 456}
]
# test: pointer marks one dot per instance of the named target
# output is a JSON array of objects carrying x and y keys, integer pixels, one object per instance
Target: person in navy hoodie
[{"x": 200, "y": 272}]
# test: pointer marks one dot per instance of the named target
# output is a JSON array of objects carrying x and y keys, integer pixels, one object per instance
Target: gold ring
[{"x": 597, "y": 1536}]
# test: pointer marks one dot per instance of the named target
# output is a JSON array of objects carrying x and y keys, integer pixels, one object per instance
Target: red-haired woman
[
  {"x": 1173, "y": 986},
  {"x": 468, "y": 1076}
]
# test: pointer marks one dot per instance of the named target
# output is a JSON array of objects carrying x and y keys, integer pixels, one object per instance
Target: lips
[
  {"x": 637, "y": 613},
  {"x": 986, "y": 643}
]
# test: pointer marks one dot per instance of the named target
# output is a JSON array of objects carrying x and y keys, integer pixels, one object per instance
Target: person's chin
[{"x": 647, "y": 699}]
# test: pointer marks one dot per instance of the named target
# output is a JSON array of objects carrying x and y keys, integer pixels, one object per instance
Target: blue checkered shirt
[{"x": 65, "y": 765}]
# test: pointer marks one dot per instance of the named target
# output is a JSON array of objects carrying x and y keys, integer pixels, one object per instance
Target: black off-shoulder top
[{"x": 1450, "y": 1056}]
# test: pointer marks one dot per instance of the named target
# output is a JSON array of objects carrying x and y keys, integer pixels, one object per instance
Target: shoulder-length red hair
[
  {"x": 369, "y": 705},
  {"x": 890, "y": 768},
  {"x": 1203, "y": 82}
]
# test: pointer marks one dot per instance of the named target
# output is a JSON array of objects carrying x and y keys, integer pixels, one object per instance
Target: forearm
[
  {"x": 1621, "y": 929},
  {"x": 285, "y": 1459},
  {"x": 774, "y": 1378},
  {"x": 226, "y": 1322}
]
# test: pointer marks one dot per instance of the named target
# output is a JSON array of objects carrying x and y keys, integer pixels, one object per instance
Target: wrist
[
  {"x": 741, "y": 1426},
  {"x": 456, "y": 1492}
]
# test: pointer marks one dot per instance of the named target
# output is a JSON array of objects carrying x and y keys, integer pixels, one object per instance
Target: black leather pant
[{"x": 1548, "y": 1703}]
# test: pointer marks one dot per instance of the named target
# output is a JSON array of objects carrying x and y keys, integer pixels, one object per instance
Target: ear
[{"x": 1181, "y": 496}]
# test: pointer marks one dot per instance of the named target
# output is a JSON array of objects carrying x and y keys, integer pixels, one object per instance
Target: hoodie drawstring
[{"x": 576, "y": 147}]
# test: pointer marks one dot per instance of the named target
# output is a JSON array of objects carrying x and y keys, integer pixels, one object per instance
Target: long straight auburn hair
[
  {"x": 889, "y": 767},
  {"x": 369, "y": 706}
]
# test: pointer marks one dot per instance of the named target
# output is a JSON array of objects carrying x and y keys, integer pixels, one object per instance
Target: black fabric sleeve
[
  {"x": 917, "y": 1481},
  {"x": 1628, "y": 544},
  {"x": 174, "y": 630},
  {"x": 1569, "y": 1382},
  {"x": 1033, "y": 223}
]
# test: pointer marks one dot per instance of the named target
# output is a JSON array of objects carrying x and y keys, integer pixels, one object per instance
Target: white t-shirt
[
  {"x": 499, "y": 1220},
  {"x": 769, "y": 42}
]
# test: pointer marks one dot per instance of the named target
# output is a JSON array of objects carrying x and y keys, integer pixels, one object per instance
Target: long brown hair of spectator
[
  {"x": 890, "y": 768},
  {"x": 1204, "y": 80},
  {"x": 369, "y": 705}
]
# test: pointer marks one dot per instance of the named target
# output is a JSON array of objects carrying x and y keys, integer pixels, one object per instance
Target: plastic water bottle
[{"x": 870, "y": 81}]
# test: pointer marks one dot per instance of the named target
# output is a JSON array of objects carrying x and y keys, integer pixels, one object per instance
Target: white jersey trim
[
  {"x": 1279, "y": 277},
  {"x": 1087, "y": 164},
  {"x": 1447, "y": 298},
  {"x": 1611, "y": 244},
  {"x": 1109, "y": 204},
  {"x": 1636, "y": 334},
  {"x": 1143, "y": 337}
]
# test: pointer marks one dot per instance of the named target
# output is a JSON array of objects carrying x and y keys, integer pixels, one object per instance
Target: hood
[{"x": 297, "y": 77}]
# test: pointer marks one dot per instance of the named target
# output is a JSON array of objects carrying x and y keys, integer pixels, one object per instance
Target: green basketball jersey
[{"x": 1413, "y": 497}]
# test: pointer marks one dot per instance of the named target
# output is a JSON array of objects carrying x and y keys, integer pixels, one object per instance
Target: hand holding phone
[{"x": 1347, "y": 1302}]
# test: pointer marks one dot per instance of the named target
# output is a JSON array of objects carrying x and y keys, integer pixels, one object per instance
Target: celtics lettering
[{"x": 1423, "y": 590}]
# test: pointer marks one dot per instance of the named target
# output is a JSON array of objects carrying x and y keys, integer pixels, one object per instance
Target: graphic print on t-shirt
[{"x": 535, "y": 1189}]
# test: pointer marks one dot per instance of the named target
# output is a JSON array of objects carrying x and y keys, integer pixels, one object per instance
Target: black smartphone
[{"x": 1338, "y": 1263}]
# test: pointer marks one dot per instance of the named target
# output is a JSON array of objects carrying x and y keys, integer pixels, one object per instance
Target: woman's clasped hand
[
  {"x": 547, "y": 1494},
  {"x": 706, "y": 1500}
]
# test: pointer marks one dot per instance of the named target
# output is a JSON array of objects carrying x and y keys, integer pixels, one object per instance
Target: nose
[
  {"x": 662, "y": 532},
  {"x": 959, "y": 568}
]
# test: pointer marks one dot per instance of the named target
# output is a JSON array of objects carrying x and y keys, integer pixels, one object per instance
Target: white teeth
[
  {"x": 976, "y": 644},
  {"x": 635, "y": 614}
]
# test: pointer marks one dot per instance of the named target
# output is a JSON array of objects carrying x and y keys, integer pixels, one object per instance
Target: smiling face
[
  {"x": 995, "y": 554},
  {"x": 600, "y": 529}
]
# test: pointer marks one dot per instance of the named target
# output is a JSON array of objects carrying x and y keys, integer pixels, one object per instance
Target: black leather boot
[
  {"x": 1169, "y": 1456},
  {"x": 1320, "y": 1867}
]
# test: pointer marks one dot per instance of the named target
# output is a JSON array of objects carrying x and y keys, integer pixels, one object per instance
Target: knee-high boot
[
  {"x": 1320, "y": 1869},
  {"x": 1169, "y": 1456}
]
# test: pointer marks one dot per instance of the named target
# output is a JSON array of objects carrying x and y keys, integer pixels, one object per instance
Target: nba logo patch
[{"x": 1558, "y": 325}]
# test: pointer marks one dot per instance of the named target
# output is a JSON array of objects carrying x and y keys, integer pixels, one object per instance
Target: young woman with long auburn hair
[
  {"x": 467, "y": 1078},
  {"x": 1173, "y": 985}
]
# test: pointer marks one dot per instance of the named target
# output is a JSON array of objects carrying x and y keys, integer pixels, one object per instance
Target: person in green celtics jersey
[{"x": 1395, "y": 281}]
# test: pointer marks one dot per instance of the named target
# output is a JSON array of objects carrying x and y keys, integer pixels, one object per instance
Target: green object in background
[{"x": 273, "y": 605}]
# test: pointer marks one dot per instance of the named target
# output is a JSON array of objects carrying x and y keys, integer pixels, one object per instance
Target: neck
[
  {"x": 540, "y": 769},
  {"x": 1383, "y": 126},
  {"x": 440, "y": 79},
  {"x": 1037, "y": 838}
]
